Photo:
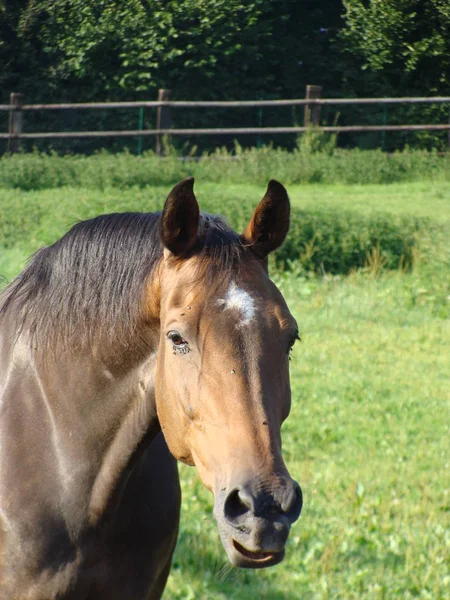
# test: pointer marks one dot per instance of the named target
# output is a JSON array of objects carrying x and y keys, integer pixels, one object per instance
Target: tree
[
  {"x": 69, "y": 50},
  {"x": 397, "y": 48},
  {"x": 213, "y": 48},
  {"x": 20, "y": 59}
]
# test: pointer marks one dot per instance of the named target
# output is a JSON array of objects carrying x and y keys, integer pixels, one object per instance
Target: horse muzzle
[{"x": 254, "y": 520}]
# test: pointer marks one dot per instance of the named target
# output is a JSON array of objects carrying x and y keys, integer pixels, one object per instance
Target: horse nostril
[
  {"x": 283, "y": 502},
  {"x": 292, "y": 505},
  {"x": 238, "y": 503}
]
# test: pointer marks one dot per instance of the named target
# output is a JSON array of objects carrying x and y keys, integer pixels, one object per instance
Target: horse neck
[{"x": 104, "y": 413}]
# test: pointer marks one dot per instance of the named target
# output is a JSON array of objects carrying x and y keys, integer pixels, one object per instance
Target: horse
[{"x": 134, "y": 341}]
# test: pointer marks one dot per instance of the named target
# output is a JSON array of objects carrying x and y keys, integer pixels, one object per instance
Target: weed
[
  {"x": 376, "y": 261},
  {"x": 316, "y": 160}
]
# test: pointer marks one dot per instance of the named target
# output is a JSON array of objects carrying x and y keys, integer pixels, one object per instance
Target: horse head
[{"x": 222, "y": 375}]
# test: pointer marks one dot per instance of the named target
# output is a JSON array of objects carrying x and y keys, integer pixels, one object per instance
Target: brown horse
[{"x": 128, "y": 325}]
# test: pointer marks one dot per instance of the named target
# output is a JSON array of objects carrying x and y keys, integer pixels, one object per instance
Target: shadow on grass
[{"x": 202, "y": 565}]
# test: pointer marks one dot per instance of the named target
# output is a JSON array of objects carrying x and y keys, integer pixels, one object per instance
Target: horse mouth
[{"x": 260, "y": 557}]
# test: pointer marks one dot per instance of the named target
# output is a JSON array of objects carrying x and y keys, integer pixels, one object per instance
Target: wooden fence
[{"x": 312, "y": 104}]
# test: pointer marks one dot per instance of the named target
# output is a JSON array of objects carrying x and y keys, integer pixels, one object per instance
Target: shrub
[
  {"x": 337, "y": 241},
  {"x": 332, "y": 240},
  {"x": 37, "y": 171}
]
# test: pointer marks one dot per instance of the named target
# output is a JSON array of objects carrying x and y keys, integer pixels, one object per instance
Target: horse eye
[
  {"x": 179, "y": 343},
  {"x": 176, "y": 338},
  {"x": 292, "y": 342}
]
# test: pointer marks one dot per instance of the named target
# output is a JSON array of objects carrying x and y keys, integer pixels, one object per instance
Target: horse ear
[
  {"x": 180, "y": 219},
  {"x": 270, "y": 222}
]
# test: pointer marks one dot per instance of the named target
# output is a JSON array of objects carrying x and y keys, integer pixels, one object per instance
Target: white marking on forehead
[{"x": 240, "y": 300}]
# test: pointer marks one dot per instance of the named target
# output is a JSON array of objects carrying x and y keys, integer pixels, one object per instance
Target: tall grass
[
  {"x": 37, "y": 171},
  {"x": 323, "y": 239}
]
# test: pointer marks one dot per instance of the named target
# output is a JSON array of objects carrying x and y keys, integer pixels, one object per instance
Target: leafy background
[{"x": 78, "y": 50}]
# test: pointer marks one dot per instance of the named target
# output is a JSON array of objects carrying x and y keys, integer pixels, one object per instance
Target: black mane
[{"x": 90, "y": 283}]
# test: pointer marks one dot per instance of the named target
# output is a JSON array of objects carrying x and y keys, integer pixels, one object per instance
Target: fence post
[
  {"x": 163, "y": 119},
  {"x": 448, "y": 134},
  {"x": 312, "y": 113},
  {"x": 15, "y": 123},
  {"x": 140, "y": 127}
]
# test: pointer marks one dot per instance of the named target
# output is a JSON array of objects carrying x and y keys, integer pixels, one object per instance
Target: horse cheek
[{"x": 173, "y": 421}]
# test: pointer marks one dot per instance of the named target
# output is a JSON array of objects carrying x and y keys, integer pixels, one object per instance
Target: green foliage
[
  {"x": 147, "y": 44},
  {"x": 320, "y": 240},
  {"x": 337, "y": 241},
  {"x": 406, "y": 42},
  {"x": 36, "y": 171},
  {"x": 315, "y": 142},
  {"x": 76, "y": 50},
  {"x": 72, "y": 50},
  {"x": 214, "y": 48},
  {"x": 397, "y": 48},
  {"x": 324, "y": 237}
]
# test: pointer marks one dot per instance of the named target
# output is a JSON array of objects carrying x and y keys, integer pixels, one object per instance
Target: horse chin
[
  {"x": 246, "y": 558},
  {"x": 251, "y": 541},
  {"x": 248, "y": 549}
]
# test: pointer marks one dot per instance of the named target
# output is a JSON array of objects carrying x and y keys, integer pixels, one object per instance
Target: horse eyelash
[
  {"x": 181, "y": 349},
  {"x": 291, "y": 346}
]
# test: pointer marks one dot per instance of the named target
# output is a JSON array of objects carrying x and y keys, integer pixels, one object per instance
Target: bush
[
  {"x": 320, "y": 240},
  {"x": 37, "y": 171},
  {"x": 332, "y": 240},
  {"x": 340, "y": 241}
]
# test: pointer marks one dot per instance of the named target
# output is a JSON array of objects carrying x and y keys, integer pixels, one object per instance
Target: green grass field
[
  {"x": 368, "y": 435},
  {"x": 368, "y": 440}
]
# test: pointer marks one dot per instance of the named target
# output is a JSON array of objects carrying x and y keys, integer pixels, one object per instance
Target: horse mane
[{"x": 90, "y": 284}]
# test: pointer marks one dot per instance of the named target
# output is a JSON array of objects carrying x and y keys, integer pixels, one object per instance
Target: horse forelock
[
  {"x": 220, "y": 251},
  {"x": 92, "y": 284}
]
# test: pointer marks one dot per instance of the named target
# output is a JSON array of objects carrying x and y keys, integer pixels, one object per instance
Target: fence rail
[
  {"x": 221, "y": 131},
  {"x": 312, "y": 103},
  {"x": 226, "y": 103}
]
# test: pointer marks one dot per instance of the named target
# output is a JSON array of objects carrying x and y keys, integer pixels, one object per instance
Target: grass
[
  {"x": 367, "y": 439},
  {"x": 368, "y": 435},
  {"x": 335, "y": 225},
  {"x": 36, "y": 171},
  {"x": 429, "y": 199}
]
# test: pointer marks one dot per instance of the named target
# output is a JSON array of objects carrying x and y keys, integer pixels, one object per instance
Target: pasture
[{"x": 368, "y": 434}]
